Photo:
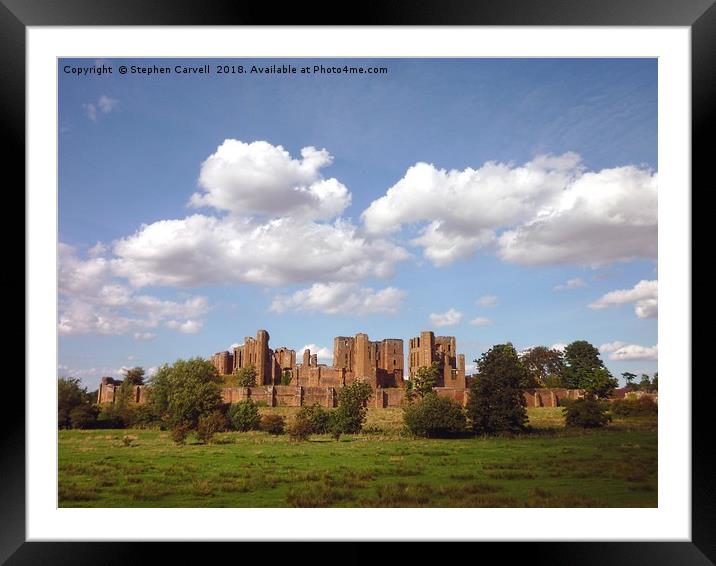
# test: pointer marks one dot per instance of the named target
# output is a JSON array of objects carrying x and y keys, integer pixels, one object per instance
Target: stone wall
[
  {"x": 327, "y": 396},
  {"x": 550, "y": 397}
]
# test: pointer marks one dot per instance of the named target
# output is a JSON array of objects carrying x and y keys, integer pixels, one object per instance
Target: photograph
[{"x": 357, "y": 282}]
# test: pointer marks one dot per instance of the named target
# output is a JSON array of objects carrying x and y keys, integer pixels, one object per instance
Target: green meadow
[{"x": 381, "y": 467}]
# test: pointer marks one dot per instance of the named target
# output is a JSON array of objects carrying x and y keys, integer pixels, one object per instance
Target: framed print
[{"x": 396, "y": 280}]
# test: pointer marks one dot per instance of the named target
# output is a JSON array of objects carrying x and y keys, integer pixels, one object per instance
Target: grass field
[{"x": 382, "y": 467}]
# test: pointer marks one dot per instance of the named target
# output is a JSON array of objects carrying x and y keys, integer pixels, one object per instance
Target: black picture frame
[{"x": 16, "y": 15}]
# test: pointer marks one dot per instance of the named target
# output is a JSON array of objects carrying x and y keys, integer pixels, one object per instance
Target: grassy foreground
[{"x": 551, "y": 467}]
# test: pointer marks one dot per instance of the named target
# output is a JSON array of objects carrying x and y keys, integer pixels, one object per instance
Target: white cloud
[
  {"x": 260, "y": 178},
  {"x": 144, "y": 336},
  {"x": 575, "y": 283},
  {"x": 341, "y": 298},
  {"x": 487, "y": 301},
  {"x": 91, "y": 300},
  {"x": 201, "y": 250},
  {"x": 104, "y": 104},
  {"x": 559, "y": 346},
  {"x": 451, "y": 317},
  {"x": 107, "y": 104},
  {"x": 547, "y": 211},
  {"x": 325, "y": 355},
  {"x": 598, "y": 218},
  {"x": 186, "y": 327},
  {"x": 481, "y": 321},
  {"x": 621, "y": 351},
  {"x": 644, "y": 295}
]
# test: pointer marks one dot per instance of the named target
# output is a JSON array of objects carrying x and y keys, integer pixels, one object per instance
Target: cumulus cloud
[
  {"x": 91, "y": 300},
  {"x": 621, "y": 351},
  {"x": 481, "y": 321},
  {"x": 644, "y": 295},
  {"x": 575, "y": 283},
  {"x": 325, "y": 355},
  {"x": 340, "y": 298},
  {"x": 559, "y": 346},
  {"x": 547, "y": 211},
  {"x": 201, "y": 250},
  {"x": 451, "y": 317},
  {"x": 260, "y": 178},
  {"x": 598, "y": 218},
  {"x": 487, "y": 301}
]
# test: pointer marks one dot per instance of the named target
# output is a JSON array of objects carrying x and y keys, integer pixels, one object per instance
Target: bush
[
  {"x": 586, "y": 413},
  {"x": 434, "y": 417},
  {"x": 244, "y": 416},
  {"x": 246, "y": 376},
  {"x": 83, "y": 416},
  {"x": 299, "y": 429},
  {"x": 349, "y": 417},
  {"x": 180, "y": 432},
  {"x": 273, "y": 424},
  {"x": 318, "y": 418},
  {"x": 634, "y": 408},
  {"x": 209, "y": 425},
  {"x": 144, "y": 416},
  {"x": 108, "y": 418}
]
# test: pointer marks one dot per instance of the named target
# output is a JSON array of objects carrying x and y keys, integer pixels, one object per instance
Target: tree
[
  {"x": 543, "y": 365},
  {"x": 425, "y": 379},
  {"x": 629, "y": 378},
  {"x": 70, "y": 394},
  {"x": 655, "y": 381},
  {"x": 349, "y": 417},
  {"x": 286, "y": 377},
  {"x": 496, "y": 402},
  {"x": 134, "y": 376},
  {"x": 584, "y": 369},
  {"x": 586, "y": 413},
  {"x": 645, "y": 383},
  {"x": 434, "y": 417},
  {"x": 246, "y": 376},
  {"x": 184, "y": 391},
  {"x": 244, "y": 416}
]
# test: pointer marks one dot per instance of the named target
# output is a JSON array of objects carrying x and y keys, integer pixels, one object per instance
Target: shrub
[
  {"x": 434, "y": 417},
  {"x": 349, "y": 417},
  {"x": 83, "y": 416},
  {"x": 286, "y": 377},
  {"x": 144, "y": 416},
  {"x": 299, "y": 429},
  {"x": 108, "y": 418},
  {"x": 586, "y": 413},
  {"x": 318, "y": 418},
  {"x": 273, "y": 424},
  {"x": 209, "y": 425},
  {"x": 644, "y": 406},
  {"x": 180, "y": 432},
  {"x": 246, "y": 376},
  {"x": 244, "y": 416}
]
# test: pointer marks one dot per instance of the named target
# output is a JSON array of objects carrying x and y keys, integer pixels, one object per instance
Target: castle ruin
[{"x": 355, "y": 358}]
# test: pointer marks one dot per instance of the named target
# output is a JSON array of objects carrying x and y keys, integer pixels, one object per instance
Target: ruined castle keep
[
  {"x": 428, "y": 348},
  {"x": 378, "y": 363}
]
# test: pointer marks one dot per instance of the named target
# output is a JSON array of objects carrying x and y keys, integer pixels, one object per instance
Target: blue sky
[{"x": 394, "y": 212}]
